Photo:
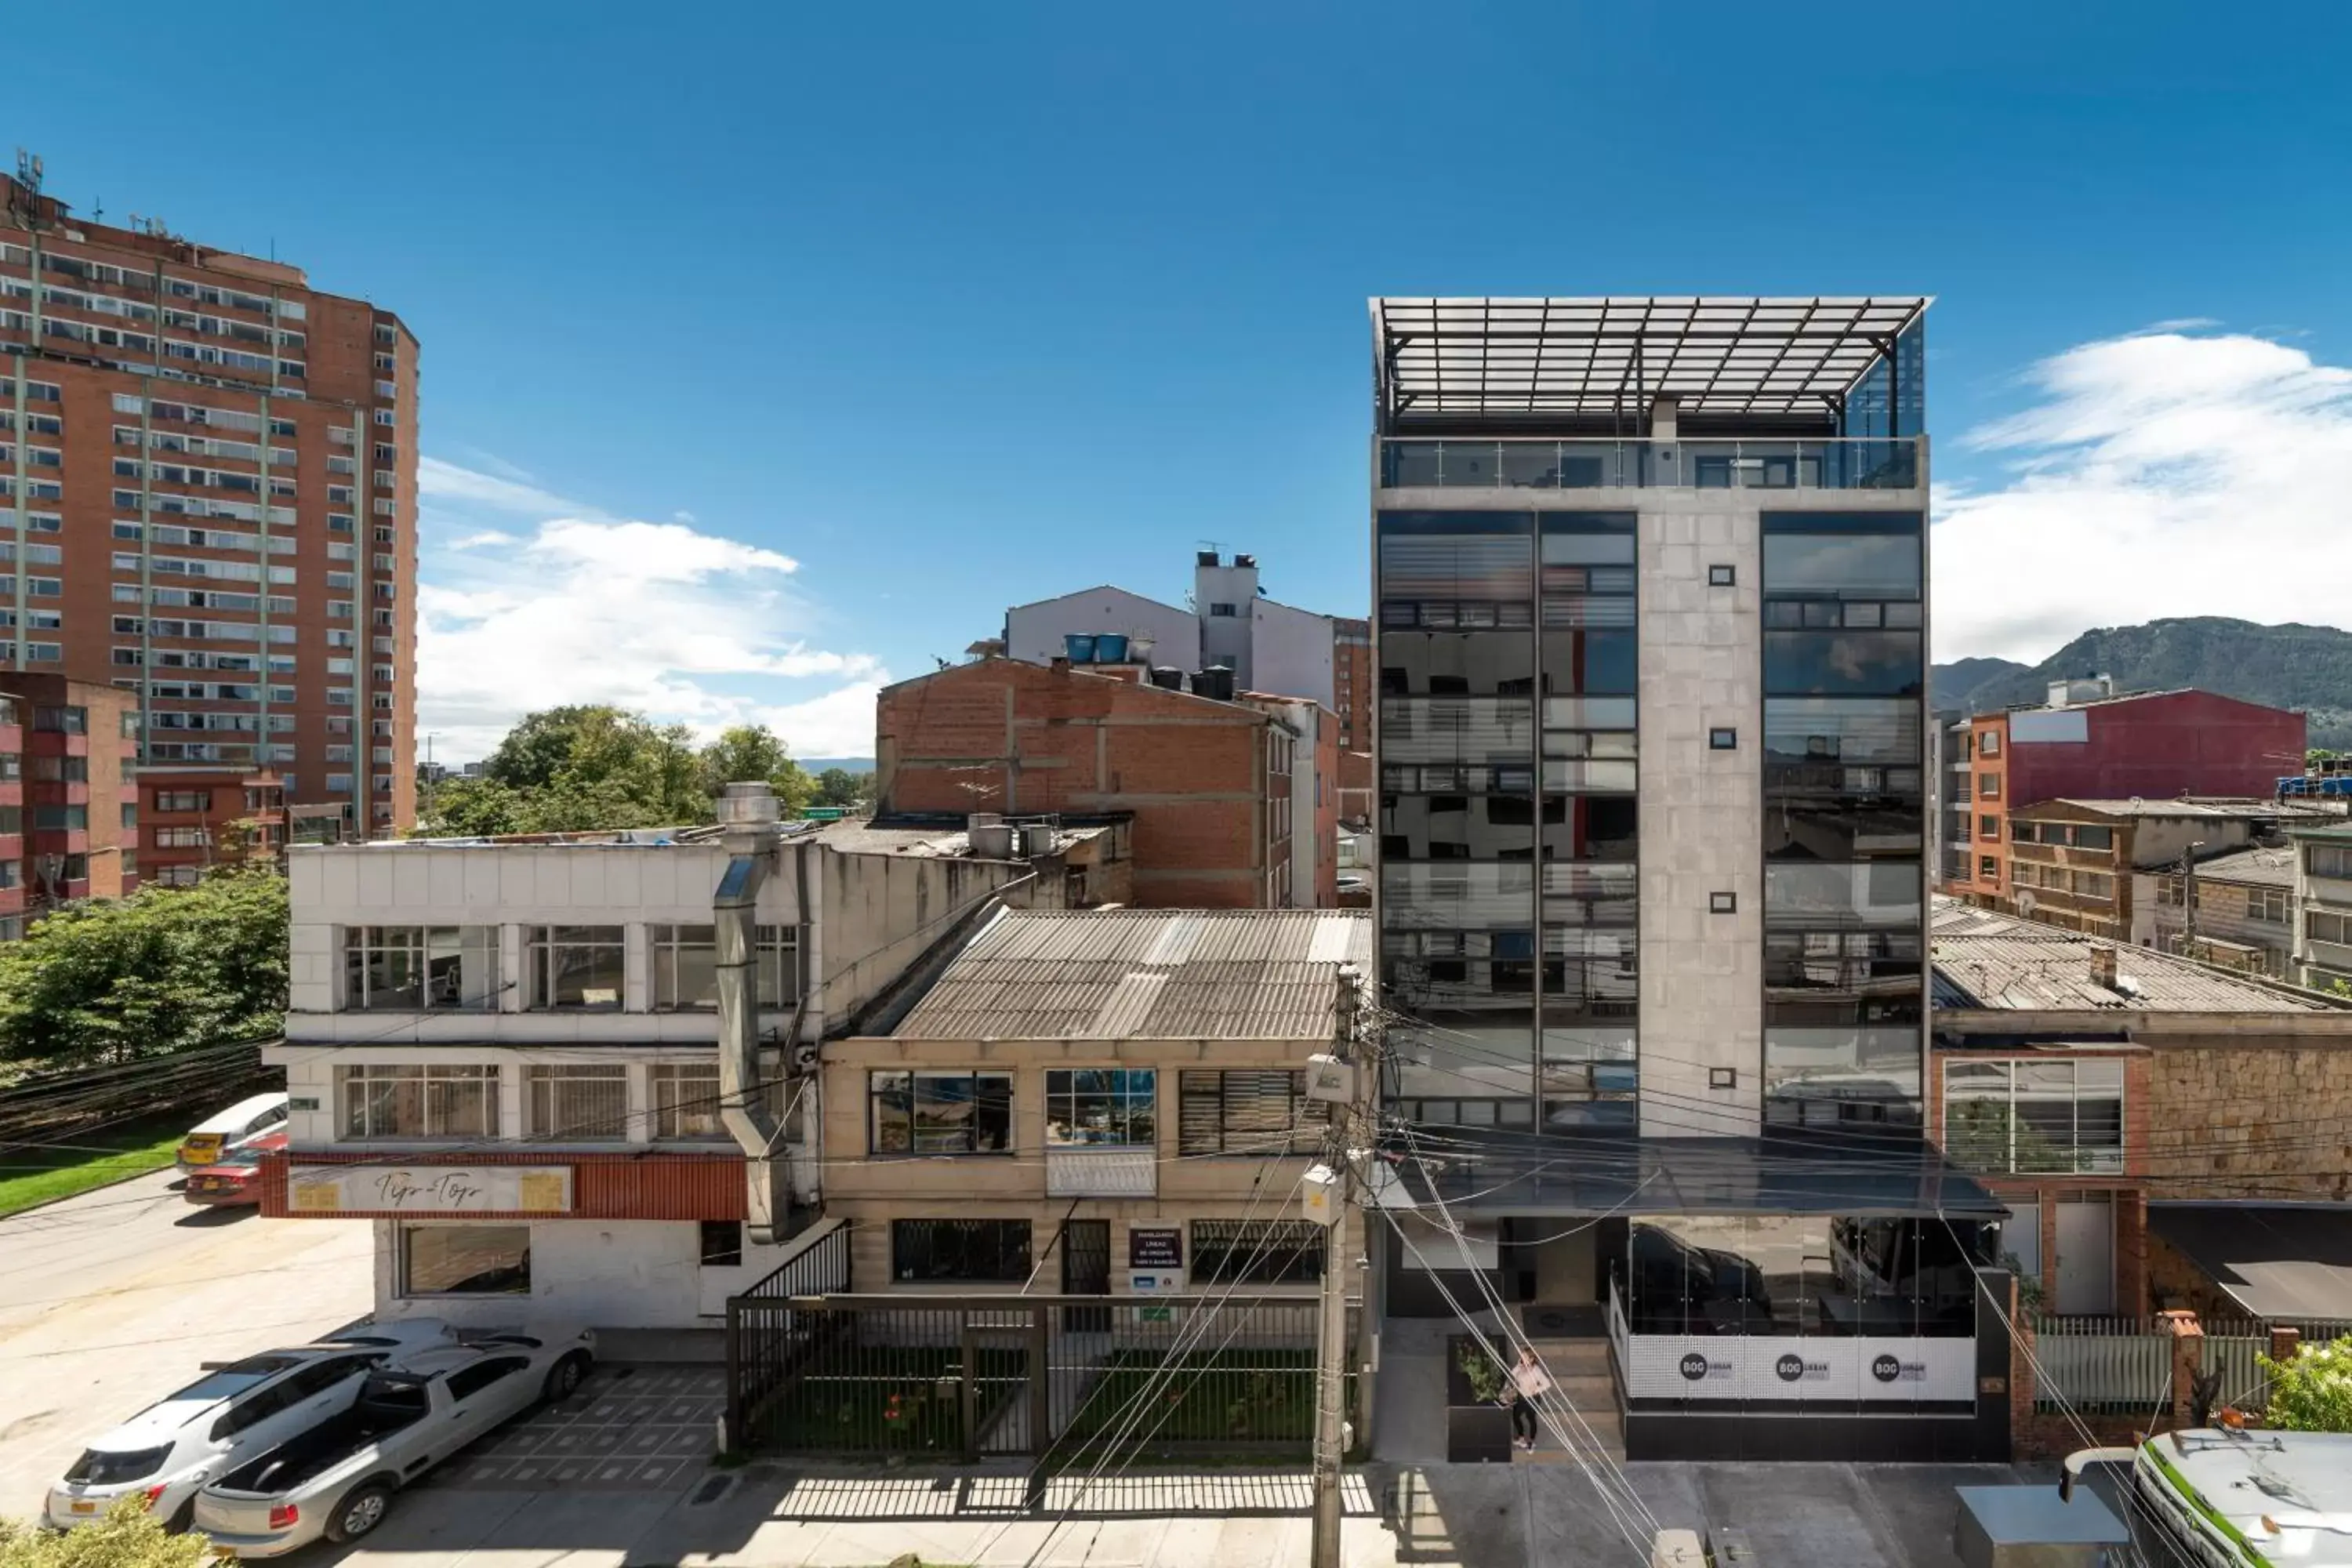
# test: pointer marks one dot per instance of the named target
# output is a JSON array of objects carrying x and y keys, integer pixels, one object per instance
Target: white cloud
[
  {"x": 2168, "y": 473},
  {"x": 680, "y": 622},
  {"x": 450, "y": 487}
]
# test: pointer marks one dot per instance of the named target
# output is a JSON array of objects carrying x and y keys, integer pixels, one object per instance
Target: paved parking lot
[
  {"x": 117, "y": 1297},
  {"x": 629, "y": 1428}
]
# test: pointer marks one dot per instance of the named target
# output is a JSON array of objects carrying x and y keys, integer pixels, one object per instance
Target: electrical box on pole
[
  {"x": 1323, "y": 1194},
  {"x": 1330, "y": 1080}
]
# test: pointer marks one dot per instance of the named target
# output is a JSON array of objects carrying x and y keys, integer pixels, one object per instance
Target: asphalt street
[{"x": 112, "y": 1299}]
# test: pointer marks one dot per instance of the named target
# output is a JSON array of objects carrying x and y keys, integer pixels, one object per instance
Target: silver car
[
  {"x": 338, "y": 1478},
  {"x": 225, "y": 1418}
]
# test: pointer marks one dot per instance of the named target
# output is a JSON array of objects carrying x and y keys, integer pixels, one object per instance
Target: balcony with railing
[{"x": 1588, "y": 463}]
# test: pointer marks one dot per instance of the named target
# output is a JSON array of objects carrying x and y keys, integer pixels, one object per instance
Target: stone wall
[{"x": 2245, "y": 1119}]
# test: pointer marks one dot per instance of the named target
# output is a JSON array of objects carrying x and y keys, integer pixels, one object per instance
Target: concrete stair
[{"x": 1579, "y": 1368}]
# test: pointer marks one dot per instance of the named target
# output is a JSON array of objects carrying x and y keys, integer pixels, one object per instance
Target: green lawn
[
  {"x": 1213, "y": 1397},
  {"x": 31, "y": 1176},
  {"x": 890, "y": 1399}
]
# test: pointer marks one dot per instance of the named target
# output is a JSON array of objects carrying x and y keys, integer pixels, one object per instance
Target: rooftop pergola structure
[{"x": 1464, "y": 361}]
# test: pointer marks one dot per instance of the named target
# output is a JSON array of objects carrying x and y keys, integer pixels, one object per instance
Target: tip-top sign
[{"x": 429, "y": 1189}]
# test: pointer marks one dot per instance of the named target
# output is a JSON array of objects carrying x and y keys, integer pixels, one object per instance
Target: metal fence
[
  {"x": 1048, "y": 1376},
  {"x": 68, "y": 1108},
  {"x": 767, "y": 1339},
  {"x": 2122, "y": 1365}
]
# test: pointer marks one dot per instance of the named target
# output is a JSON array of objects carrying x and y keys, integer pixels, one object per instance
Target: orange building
[{"x": 208, "y": 490}]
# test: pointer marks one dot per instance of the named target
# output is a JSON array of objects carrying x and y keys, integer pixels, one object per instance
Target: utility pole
[
  {"x": 2189, "y": 899},
  {"x": 1347, "y": 1081}
]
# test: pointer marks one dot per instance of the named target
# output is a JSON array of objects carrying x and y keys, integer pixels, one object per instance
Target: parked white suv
[{"x": 170, "y": 1449}]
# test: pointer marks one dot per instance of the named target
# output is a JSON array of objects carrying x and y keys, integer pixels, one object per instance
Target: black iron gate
[
  {"x": 958, "y": 1377},
  {"x": 1086, "y": 1272}
]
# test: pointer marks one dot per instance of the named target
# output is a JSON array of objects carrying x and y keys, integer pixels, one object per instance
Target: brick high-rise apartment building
[{"x": 208, "y": 497}]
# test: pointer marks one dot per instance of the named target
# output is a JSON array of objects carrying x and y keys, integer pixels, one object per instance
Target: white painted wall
[
  {"x": 513, "y": 886},
  {"x": 1226, "y": 640},
  {"x": 1291, "y": 653},
  {"x": 1702, "y": 1001},
  {"x": 602, "y": 1273},
  {"x": 1034, "y": 632}
]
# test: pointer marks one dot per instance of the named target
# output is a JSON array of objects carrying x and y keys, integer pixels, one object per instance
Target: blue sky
[{"x": 770, "y": 352}]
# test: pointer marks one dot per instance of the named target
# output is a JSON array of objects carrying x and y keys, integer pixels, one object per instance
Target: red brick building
[
  {"x": 193, "y": 819},
  {"x": 208, "y": 472},
  {"x": 1213, "y": 787},
  {"x": 69, "y": 822},
  {"x": 2157, "y": 745}
]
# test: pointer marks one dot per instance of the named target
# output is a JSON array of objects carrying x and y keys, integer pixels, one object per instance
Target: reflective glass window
[
  {"x": 1856, "y": 663},
  {"x": 1851, "y": 566}
]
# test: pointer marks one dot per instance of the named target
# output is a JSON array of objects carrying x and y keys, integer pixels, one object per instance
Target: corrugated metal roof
[
  {"x": 1985, "y": 960},
  {"x": 2252, "y": 867},
  {"x": 2207, "y": 809},
  {"x": 1165, "y": 974}
]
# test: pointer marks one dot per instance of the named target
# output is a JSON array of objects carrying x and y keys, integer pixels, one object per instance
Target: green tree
[
  {"x": 2313, "y": 1391},
  {"x": 125, "y": 1536},
  {"x": 839, "y": 786},
  {"x": 745, "y": 752},
  {"x": 541, "y": 745},
  {"x": 165, "y": 969},
  {"x": 571, "y": 769},
  {"x": 577, "y": 770},
  {"x": 463, "y": 807}
]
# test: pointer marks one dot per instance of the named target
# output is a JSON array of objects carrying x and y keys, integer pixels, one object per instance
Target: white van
[{"x": 216, "y": 1136}]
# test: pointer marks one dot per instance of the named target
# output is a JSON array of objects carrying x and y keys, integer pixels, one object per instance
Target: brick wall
[
  {"x": 1326, "y": 813},
  {"x": 1005, "y": 736}
]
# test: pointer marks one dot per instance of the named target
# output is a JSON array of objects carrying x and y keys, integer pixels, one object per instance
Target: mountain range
[{"x": 2289, "y": 666}]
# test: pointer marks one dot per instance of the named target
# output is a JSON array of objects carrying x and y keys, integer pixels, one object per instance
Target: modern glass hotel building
[{"x": 1650, "y": 588}]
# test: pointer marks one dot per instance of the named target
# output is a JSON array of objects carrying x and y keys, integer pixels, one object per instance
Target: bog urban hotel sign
[
  {"x": 429, "y": 1189},
  {"x": 1773, "y": 1367}
]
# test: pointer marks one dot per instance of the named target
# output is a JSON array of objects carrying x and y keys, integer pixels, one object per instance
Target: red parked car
[{"x": 235, "y": 1176}]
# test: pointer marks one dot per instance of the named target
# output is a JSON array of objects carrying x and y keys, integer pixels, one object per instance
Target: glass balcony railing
[{"x": 1881, "y": 464}]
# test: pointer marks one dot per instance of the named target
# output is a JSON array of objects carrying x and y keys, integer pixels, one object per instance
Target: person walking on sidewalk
[{"x": 1529, "y": 1383}]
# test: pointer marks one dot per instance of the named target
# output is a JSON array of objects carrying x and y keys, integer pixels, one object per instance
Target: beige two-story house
[{"x": 1096, "y": 1102}]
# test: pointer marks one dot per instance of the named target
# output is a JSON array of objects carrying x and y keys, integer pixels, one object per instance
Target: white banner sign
[
  {"x": 429, "y": 1189},
  {"x": 1760, "y": 1367}
]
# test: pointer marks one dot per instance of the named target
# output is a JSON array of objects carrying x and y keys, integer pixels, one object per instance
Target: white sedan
[
  {"x": 337, "y": 1478},
  {"x": 170, "y": 1449}
]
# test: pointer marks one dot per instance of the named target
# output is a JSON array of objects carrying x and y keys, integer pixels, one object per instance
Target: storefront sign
[
  {"x": 428, "y": 1189},
  {"x": 1762, "y": 1367},
  {"x": 1157, "y": 1248}
]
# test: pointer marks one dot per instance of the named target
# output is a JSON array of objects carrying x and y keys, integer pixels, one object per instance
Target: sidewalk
[{"x": 1431, "y": 1516}]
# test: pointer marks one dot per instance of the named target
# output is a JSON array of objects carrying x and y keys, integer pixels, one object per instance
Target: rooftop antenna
[{"x": 29, "y": 169}]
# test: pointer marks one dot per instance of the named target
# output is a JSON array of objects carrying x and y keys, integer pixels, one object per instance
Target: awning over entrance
[
  {"x": 1499, "y": 1171},
  {"x": 2284, "y": 1262}
]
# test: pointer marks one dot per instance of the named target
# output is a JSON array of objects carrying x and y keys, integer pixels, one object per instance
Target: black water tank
[
  {"x": 1167, "y": 677},
  {"x": 1216, "y": 681}
]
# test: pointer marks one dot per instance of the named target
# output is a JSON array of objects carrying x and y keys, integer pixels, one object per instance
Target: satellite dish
[
  {"x": 2136, "y": 802},
  {"x": 2026, "y": 901}
]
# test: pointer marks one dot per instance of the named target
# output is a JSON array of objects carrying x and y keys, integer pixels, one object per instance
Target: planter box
[
  {"x": 1477, "y": 1434},
  {"x": 1477, "y": 1431}
]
